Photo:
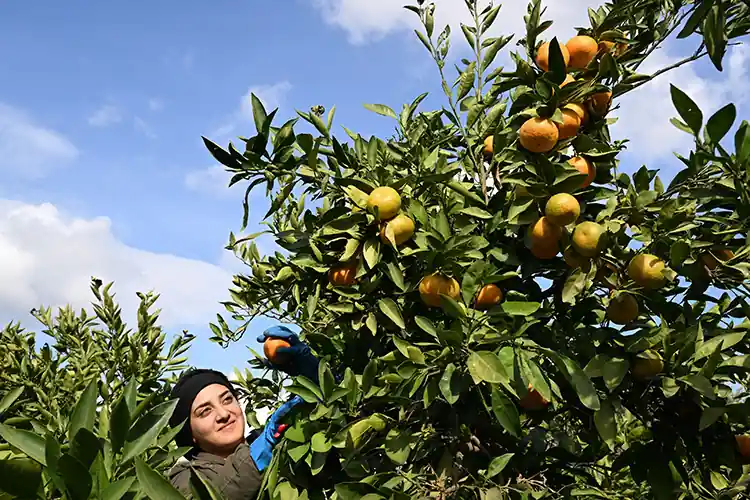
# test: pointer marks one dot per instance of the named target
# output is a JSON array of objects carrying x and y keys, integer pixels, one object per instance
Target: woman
[{"x": 214, "y": 425}]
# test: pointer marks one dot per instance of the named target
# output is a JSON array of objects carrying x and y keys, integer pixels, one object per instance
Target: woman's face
[{"x": 216, "y": 420}]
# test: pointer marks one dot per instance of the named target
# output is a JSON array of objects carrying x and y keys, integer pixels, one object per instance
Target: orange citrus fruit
[
  {"x": 402, "y": 227},
  {"x": 542, "y": 55},
  {"x": 433, "y": 285},
  {"x": 545, "y": 238},
  {"x": 622, "y": 309},
  {"x": 587, "y": 238},
  {"x": 270, "y": 348},
  {"x": 570, "y": 125},
  {"x": 580, "y": 110},
  {"x": 488, "y": 146},
  {"x": 722, "y": 254},
  {"x": 606, "y": 46},
  {"x": 568, "y": 79},
  {"x": 387, "y": 200},
  {"x": 584, "y": 166},
  {"x": 343, "y": 275},
  {"x": 645, "y": 368},
  {"x": 599, "y": 103},
  {"x": 562, "y": 209},
  {"x": 538, "y": 135},
  {"x": 533, "y": 400},
  {"x": 582, "y": 50},
  {"x": 647, "y": 271},
  {"x": 489, "y": 296},
  {"x": 743, "y": 444}
]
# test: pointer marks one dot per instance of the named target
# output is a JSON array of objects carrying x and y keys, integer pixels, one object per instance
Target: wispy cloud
[
  {"x": 105, "y": 116},
  {"x": 155, "y": 104},
  {"x": 143, "y": 127},
  {"x": 29, "y": 149}
]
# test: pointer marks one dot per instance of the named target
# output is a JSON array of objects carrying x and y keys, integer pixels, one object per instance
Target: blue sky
[{"x": 102, "y": 106}]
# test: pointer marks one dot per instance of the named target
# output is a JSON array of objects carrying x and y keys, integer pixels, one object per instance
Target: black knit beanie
[{"x": 187, "y": 388}]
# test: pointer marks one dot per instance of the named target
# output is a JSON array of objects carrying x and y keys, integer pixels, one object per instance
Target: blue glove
[
  {"x": 261, "y": 450},
  {"x": 300, "y": 359}
]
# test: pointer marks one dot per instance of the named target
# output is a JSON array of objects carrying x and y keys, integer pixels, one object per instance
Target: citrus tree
[
  {"x": 500, "y": 311},
  {"x": 86, "y": 414}
]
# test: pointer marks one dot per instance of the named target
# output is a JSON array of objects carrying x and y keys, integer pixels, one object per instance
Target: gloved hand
[
  {"x": 300, "y": 359},
  {"x": 261, "y": 450}
]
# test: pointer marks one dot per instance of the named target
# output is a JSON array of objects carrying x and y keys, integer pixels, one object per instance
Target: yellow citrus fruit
[
  {"x": 582, "y": 50},
  {"x": 542, "y": 55},
  {"x": 606, "y": 46},
  {"x": 270, "y": 348},
  {"x": 743, "y": 444},
  {"x": 343, "y": 275},
  {"x": 488, "y": 146},
  {"x": 387, "y": 200},
  {"x": 545, "y": 238},
  {"x": 489, "y": 296},
  {"x": 587, "y": 238},
  {"x": 645, "y": 368},
  {"x": 575, "y": 261},
  {"x": 722, "y": 254},
  {"x": 562, "y": 209},
  {"x": 433, "y": 285},
  {"x": 599, "y": 103},
  {"x": 402, "y": 227},
  {"x": 533, "y": 400},
  {"x": 622, "y": 309},
  {"x": 538, "y": 135},
  {"x": 570, "y": 125},
  {"x": 584, "y": 166},
  {"x": 580, "y": 110},
  {"x": 647, "y": 271}
]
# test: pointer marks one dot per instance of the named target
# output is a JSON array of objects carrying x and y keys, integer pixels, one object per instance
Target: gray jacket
[{"x": 235, "y": 477}]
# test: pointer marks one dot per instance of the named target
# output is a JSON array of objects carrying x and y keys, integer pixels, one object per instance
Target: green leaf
[
  {"x": 116, "y": 490},
  {"x": 699, "y": 14},
  {"x": 320, "y": 443},
  {"x": 605, "y": 422},
  {"x": 28, "y": 442},
  {"x": 614, "y": 371},
  {"x": 520, "y": 308},
  {"x": 397, "y": 446},
  {"x": 10, "y": 398},
  {"x": 426, "y": 325},
  {"x": 154, "y": 484},
  {"x": 506, "y": 412},
  {"x": 721, "y": 122},
  {"x": 715, "y": 36},
  {"x": 203, "y": 488},
  {"x": 580, "y": 382},
  {"x": 710, "y": 416},
  {"x": 486, "y": 366},
  {"x": 259, "y": 113},
  {"x": 143, "y": 435},
  {"x": 574, "y": 286},
  {"x": 372, "y": 252},
  {"x": 393, "y": 311},
  {"x": 700, "y": 384},
  {"x": 119, "y": 424},
  {"x": 727, "y": 340},
  {"x": 325, "y": 376},
  {"x": 688, "y": 110},
  {"x": 396, "y": 275},
  {"x": 556, "y": 61},
  {"x": 381, "y": 109},
  {"x": 498, "y": 464},
  {"x": 679, "y": 252},
  {"x": 84, "y": 412},
  {"x": 476, "y": 212},
  {"x": 77, "y": 479},
  {"x": 448, "y": 385},
  {"x": 20, "y": 477}
]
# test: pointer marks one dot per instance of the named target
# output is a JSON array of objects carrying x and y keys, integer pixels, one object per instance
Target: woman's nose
[{"x": 222, "y": 413}]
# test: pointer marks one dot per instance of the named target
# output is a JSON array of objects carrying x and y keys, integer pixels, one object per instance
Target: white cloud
[
  {"x": 105, "y": 116},
  {"x": 30, "y": 149},
  {"x": 370, "y": 21},
  {"x": 47, "y": 258},
  {"x": 271, "y": 95},
  {"x": 143, "y": 127},
  {"x": 155, "y": 104},
  {"x": 212, "y": 180},
  {"x": 644, "y": 113}
]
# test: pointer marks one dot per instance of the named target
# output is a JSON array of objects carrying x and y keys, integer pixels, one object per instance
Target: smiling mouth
[{"x": 227, "y": 426}]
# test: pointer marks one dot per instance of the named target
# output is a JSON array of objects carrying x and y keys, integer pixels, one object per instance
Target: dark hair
[{"x": 185, "y": 391}]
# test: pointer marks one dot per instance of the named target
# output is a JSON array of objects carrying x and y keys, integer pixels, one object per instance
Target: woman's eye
[{"x": 228, "y": 400}]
